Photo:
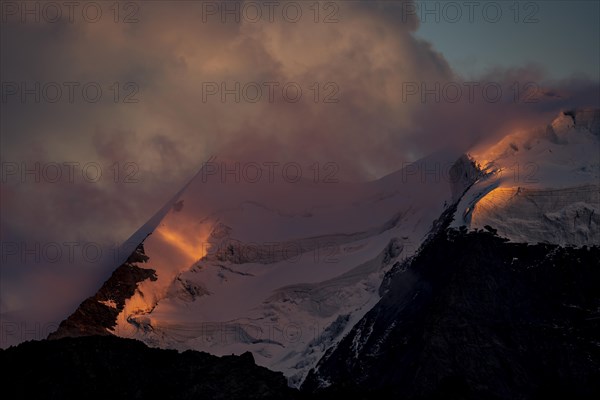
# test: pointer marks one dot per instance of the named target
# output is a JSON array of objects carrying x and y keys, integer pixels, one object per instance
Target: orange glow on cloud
[
  {"x": 173, "y": 247},
  {"x": 194, "y": 250}
]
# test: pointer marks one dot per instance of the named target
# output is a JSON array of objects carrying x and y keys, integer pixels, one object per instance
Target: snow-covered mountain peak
[
  {"x": 282, "y": 270},
  {"x": 540, "y": 185},
  {"x": 286, "y": 270}
]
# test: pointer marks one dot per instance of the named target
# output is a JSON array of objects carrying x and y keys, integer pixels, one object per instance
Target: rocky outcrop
[
  {"x": 463, "y": 173},
  {"x": 585, "y": 119},
  {"x": 97, "y": 314}
]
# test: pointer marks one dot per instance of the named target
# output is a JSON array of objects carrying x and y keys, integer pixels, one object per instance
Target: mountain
[
  {"x": 474, "y": 316},
  {"x": 110, "y": 367},
  {"x": 540, "y": 185},
  {"x": 330, "y": 283},
  {"x": 508, "y": 311},
  {"x": 280, "y": 269}
]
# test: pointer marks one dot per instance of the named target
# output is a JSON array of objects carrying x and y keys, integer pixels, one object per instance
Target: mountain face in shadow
[
  {"x": 474, "y": 316},
  {"x": 116, "y": 368},
  {"x": 500, "y": 301},
  {"x": 470, "y": 316}
]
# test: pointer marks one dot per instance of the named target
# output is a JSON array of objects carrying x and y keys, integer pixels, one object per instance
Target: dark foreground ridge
[
  {"x": 474, "y": 316},
  {"x": 115, "y": 368},
  {"x": 471, "y": 316}
]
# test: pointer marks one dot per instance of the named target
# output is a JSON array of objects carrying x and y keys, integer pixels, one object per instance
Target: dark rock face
[
  {"x": 116, "y": 368},
  {"x": 472, "y": 316},
  {"x": 462, "y": 174},
  {"x": 98, "y": 313}
]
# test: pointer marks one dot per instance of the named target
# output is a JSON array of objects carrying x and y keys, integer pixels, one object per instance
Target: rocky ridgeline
[
  {"x": 109, "y": 367},
  {"x": 97, "y": 314}
]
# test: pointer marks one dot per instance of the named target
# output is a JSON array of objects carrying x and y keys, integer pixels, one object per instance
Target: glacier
[{"x": 286, "y": 270}]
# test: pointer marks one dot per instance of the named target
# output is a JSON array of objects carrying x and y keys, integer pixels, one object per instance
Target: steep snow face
[
  {"x": 280, "y": 269},
  {"x": 541, "y": 185}
]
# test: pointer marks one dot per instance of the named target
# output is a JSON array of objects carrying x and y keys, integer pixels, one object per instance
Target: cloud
[{"x": 159, "y": 129}]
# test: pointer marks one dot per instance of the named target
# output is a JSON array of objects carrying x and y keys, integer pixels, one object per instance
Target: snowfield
[
  {"x": 541, "y": 185},
  {"x": 285, "y": 270}
]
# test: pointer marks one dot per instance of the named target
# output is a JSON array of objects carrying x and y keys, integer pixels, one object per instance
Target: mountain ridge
[{"x": 225, "y": 284}]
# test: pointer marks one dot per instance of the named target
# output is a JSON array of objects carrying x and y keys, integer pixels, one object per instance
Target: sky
[
  {"x": 560, "y": 36},
  {"x": 106, "y": 111}
]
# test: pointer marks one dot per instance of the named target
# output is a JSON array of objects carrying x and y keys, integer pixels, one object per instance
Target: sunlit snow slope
[
  {"x": 280, "y": 269},
  {"x": 285, "y": 270},
  {"x": 541, "y": 185}
]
